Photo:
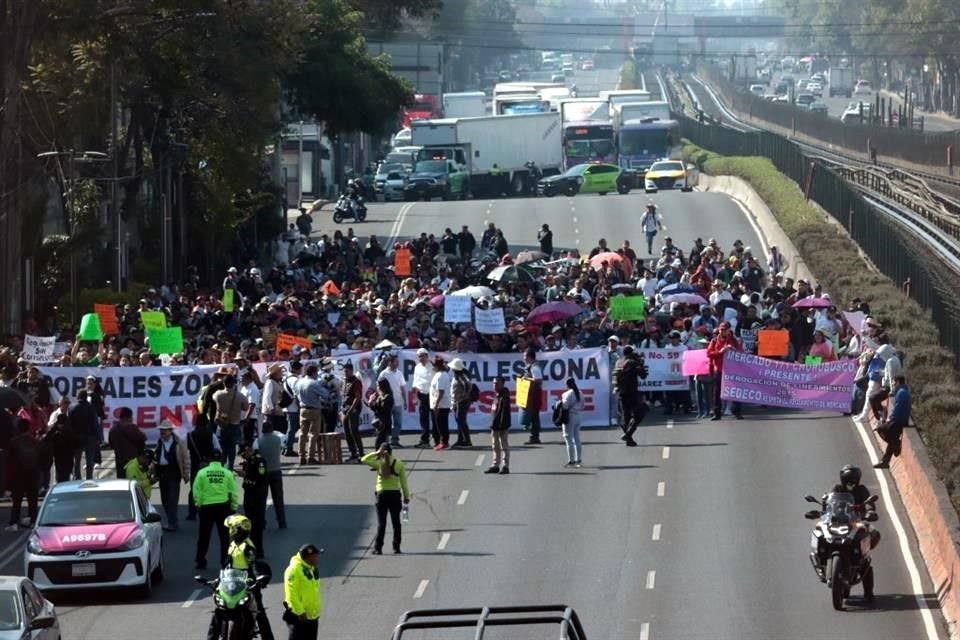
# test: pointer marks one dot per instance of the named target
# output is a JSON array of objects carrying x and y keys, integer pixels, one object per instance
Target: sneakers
[
  {"x": 568, "y": 465},
  {"x": 504, "y": 470},
  {"x": 378, "y": 552},
  {"x": 493, "y": 469},
  {"x": 396, "y": 445},
  {"x": 577, "y": 464},
  {"x": 631, "y": 442},
  {"x": 533, "y": 441},
  {"x": 441, "y": 447}
]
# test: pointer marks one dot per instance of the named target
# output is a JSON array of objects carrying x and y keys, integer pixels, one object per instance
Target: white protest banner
[
  {"x": 154, "y": 394},
  {"x": 457, "y": 308},
  {"x": 490, "y": 321},
  {"x": 61, "y": 349},
  {"x": 39, "y": 349},
  {"x": 664, "y": 370}
]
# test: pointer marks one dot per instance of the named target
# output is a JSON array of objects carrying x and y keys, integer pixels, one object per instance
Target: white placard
[
  {"x": 491, "y": 321},
  {"x": 39, "y": 349},
  {"x": 457, "y": 308}
]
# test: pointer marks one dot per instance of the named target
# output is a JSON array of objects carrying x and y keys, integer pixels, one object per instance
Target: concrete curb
[
  {"x": 934, "y": 520},
  {"x": 770, "y": 230}
]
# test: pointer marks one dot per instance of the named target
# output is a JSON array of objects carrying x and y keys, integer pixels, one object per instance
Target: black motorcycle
[
  {"x": 841, "y": 543},
  {"x": 350, "y": 207}
]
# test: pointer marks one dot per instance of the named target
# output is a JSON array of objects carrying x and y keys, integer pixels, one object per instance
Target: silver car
[
  {"x": 393, "y": 186},
  {"x": 25, "y": 613}
]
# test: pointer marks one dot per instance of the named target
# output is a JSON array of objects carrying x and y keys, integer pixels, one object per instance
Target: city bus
[{"x": 588, "y": 134}]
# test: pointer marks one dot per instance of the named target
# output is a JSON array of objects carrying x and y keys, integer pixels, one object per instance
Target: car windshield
[
  {"x": 390, "y": 168},
  {"x": 577, "y": 170},
  {"x": 645, "y": 142},
  {"x": 87, "y": 507},
  {"x": 589, "y": 148},
  {"x": 667, "y": 166},
  {"x": 9, "y": 611},
  {"x": 394, "y": 175},
  {"x": 432, "y": 166}
]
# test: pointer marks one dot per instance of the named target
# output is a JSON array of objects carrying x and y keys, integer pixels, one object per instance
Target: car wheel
[
  {"x": 445, "y": 195},
  {"x": 603, "y": 193},
  {"x": 623, "y": 189},
  {"x": 572, "y": 190},
  {"x": 650, "y": 190},
  {"x": 159, "y": 572},
  {"x": 144, "y": 590}
]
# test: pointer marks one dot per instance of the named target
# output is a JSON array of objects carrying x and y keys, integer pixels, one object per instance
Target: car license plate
[{"x": 83, "y": 569}]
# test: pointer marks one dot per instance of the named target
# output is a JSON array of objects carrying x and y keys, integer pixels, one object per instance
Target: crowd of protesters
[{"x": 344, "y": 294}]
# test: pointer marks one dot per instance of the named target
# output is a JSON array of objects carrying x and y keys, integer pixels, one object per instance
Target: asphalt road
[{"x": 697, "y": 533}]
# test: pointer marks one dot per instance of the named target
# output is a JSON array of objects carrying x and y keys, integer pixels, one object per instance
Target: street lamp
[{"x": 73, "y": 157}]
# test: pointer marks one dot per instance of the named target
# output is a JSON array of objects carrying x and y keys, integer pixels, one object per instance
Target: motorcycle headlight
[
  {"x": 34, "y": 546},
  {"x": 244, "y": 602},
  {"x": 135, "y": 541},
  {"x": 217, "y": 600},
  {"x": 840, "y": 530}
]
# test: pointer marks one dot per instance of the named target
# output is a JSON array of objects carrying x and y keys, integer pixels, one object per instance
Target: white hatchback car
[
  {"x": 95, "y": 534},
  {"x": 24, "y": 613}
]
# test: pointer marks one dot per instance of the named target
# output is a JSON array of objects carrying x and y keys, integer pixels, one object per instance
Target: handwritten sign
[
  {"x": 523, "y": 392},
  {"x": 228, "y": 300},
  {"x": 166, "y": 340},
  {"x": 39, "y": 349},
  {"x": 812, "y": 360},
  {"x": 108, "y": 319},
  {"x": 401, "y": 262},
  {"x": 287, "y": 341},
  {"x": 490, "y": 321},
  {"x": 153, "y": 320},
  {"x": 773, "y": 342},
  {"x": 628, "y": 308},
  {"x": 457, "y": 308},
  {"x": 695, "y": 362}
]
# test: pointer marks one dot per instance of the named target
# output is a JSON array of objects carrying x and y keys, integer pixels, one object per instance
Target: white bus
[
  {"x": 510, "y": 98},
  {"x": 620, "y": 96}
]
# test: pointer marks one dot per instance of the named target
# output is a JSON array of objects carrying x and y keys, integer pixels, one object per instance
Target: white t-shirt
[
  {"x": 398, "y": 385},
  {"x": 441, "y": 382},
  {"x": 251, "y": 393},
  {"x": 422, "y": 376}
]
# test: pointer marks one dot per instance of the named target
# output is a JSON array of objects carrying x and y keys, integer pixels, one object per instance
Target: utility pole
[
  {"x": 299, "y": 177},
  {"x": 114, "y": 204}
]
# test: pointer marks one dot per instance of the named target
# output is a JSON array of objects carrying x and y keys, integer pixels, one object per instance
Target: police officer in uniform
[
  {"x": 242, "y": 554},
  {"x": 216, "y": 496},
  {"x": 302, "y": 597},
  {"x": 628, "y": 373},
  {"x": 253, "y": 469}
]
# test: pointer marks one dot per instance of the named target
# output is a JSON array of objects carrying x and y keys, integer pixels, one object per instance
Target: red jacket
[{"x": 716, "y": 347}]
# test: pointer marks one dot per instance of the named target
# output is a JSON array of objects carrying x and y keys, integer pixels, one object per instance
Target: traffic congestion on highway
[{"x": 525, "y": 369}]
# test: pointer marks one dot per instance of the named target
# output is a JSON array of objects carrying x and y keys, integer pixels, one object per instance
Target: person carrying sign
[
  {"x": 531, "y": 413},
  {"x": 722, "y": 342}
]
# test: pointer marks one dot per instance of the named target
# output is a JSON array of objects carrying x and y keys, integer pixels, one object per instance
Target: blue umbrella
[{"x": 680, "y": 287}]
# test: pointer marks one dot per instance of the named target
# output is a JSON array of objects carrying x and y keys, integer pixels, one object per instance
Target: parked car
[
  {"x": 586, "y": 65},
  {"x": 383, "y": 171},
  {"x": 95, "y": 533},
  {"x": 758, "y": 90},
  {"x": 24, "y": 613},
  {"x": 585, "y": 178},
  {"x": 393, "y": 186},
  {"x": 435, "y": 179},
  {"x": 670, "y": 174},
  {"x": 863, "y": 88},
  {"x": 819, "y": 107},
  {"x": 805, "y": 99}
]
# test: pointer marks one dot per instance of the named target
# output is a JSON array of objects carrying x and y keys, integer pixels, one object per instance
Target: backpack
[
  {"x": 474, "y": 392},
  {"x": 286, "y": 398},
  {"x": 561, "y": 415}
]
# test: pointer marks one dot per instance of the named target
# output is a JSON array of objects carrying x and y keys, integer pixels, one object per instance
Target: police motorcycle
[
  {"x": 350, "y": 204},
  {"x": 234, "y": 614},
  {"x": 841, "y": 542}
]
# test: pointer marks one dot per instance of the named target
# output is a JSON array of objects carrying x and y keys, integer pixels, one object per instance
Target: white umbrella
[{"x": 475, "y": 291}]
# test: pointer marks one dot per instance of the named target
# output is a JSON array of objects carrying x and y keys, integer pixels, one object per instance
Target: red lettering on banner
[{"x": 146, "y": 416}]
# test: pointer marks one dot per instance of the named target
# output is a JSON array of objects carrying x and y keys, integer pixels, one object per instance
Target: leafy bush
[{"x": 835, "y": 258}]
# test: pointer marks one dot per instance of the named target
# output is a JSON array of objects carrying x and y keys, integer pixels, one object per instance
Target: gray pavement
[{"x": 697, "y": 533}]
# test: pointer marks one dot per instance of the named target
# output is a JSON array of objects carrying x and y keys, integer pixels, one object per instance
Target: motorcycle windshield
[
  {"x": 839, "y": 507},
  {"x": 233, "y": 581}
]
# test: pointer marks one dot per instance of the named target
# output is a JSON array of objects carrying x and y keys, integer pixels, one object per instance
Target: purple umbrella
[
  {"x": 436, "y": 301},
  {"x": 811, "y": 302},
  {"x": 554, "y": 312},
  {"x": 685, "y": 298}
]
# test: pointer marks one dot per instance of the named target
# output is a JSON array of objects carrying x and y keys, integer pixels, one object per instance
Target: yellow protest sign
[{"x": 523, "y": 392}]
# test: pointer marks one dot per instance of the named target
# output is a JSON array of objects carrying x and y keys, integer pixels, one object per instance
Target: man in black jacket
[
  {"x": 86, "y": 425},
  {"x": 545, "y": 236},
  {"x": 467, "y": 244},
  {"x": 628, "y": 373},
  {"x": 499, "y": 426}
]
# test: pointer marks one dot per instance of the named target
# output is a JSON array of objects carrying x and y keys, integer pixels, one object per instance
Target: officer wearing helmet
[{"x": 242, "y": 555}]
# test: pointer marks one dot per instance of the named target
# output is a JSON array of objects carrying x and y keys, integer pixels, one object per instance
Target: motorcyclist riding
[
  {"x": 850, "y": 476},
  {"x": 242, "y": 554}
]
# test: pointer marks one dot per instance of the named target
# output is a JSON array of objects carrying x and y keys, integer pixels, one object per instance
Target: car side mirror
[
  {"x": 812, "y": 515},
  {"x": 42, "y": 622},
  {"x": 871, "y": 517},
  {"x": 152, "y": 518},
  {"x": 812, "y": 499}
]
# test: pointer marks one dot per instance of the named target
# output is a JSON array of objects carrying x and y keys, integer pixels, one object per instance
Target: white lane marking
[
  {"x": 16, "y": 547},
  {"x": 398, "y": 223},
  {"x": 444, "y": 539},
  {"x": 463, "y": 497},
  {"x": 193, "y": 598},
  {"x": 651, "y": 579},
  {"x": 575, "y": 219},
  {"x": 656, "y": 532},
  {"x": 753, "y": 224},
  {"x": 576, "y": 230},
  {"x": 578, "y": 240},
  {"x": 420, "y": 589},
  {"x": 480, "y": 459},
  {"x": 666, "y": 453},
  {"x": 661, "y": 489},
  {"x": 670, "y": 423},
  {"x": 915, "y": 582},
  {"x": 645, "y": 631}
]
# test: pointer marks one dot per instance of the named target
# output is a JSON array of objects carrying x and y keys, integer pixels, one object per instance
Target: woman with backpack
[
  {"x": 571, "y": 405},
  {"x": 461, "y": 395}
]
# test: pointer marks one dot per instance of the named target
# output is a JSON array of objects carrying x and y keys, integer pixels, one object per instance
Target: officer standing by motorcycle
[
  {"x": 216, "y": 496},
  {"x": 253, "y": 469},
  {"x": 302, "y": 598},
  {"x": 242, "y": 555}
]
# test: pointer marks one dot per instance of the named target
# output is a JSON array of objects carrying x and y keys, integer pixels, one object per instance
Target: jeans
[
  {"x": 388, "y": 502},
  {"x": 290, "y": 438},
  {"x": 351, "y": 432},
  {"x": 397, "y": 425},
  {"x": 229, "y": 439},
  {"x": 650, "y": 236},
  {"x": 441, "y": 426},
  {"x": 571, "y": 433},
  {"x": 460, "y": 411},
  {"x": 275, "y": 482},
  {"x": 703, "y": 388},
  {"x": 501, "y": 447},
  {"x": 169, "y": 486},
  {"x": 423, "y": 406},
  {"x": 90, "y": 450}
]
